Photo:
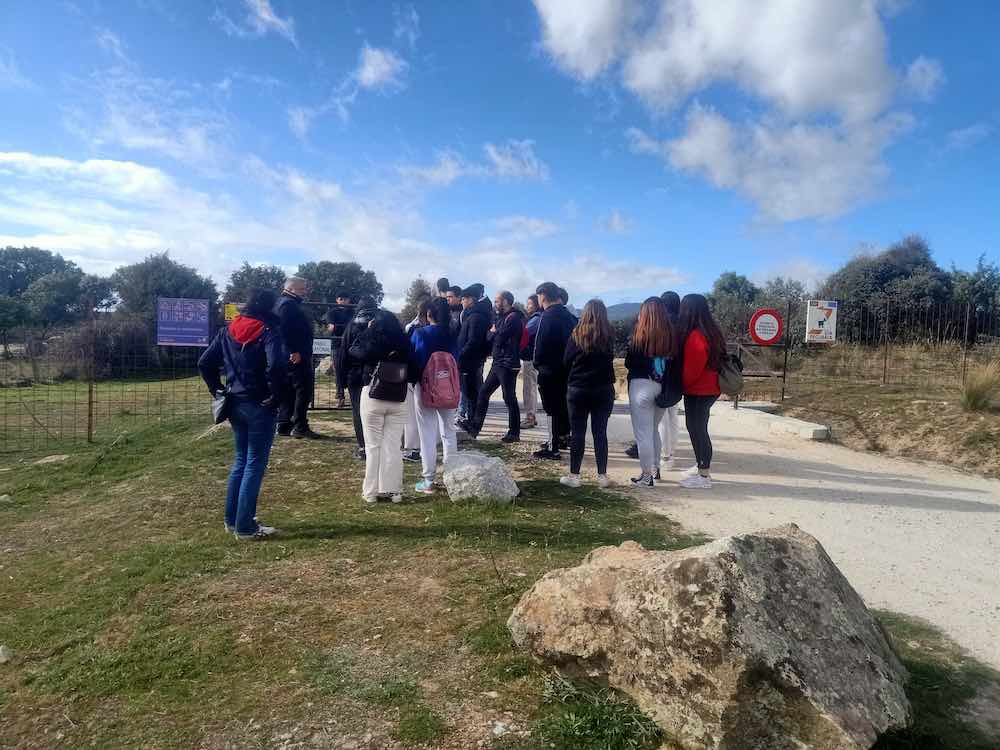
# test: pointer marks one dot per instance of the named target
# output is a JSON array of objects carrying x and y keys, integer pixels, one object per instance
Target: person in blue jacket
[{"x": 252, "y": 354}]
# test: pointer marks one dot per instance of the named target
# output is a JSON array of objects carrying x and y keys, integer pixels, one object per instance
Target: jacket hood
[
  {"x": 559, "y": 311},
  {"x": 483, "y": 307},
  {"x": 364, "y": 315},
  {"x": 245, "y": 330}
]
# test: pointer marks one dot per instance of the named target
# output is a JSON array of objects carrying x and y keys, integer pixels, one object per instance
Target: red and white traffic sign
[{"x": 766, "y": 327}]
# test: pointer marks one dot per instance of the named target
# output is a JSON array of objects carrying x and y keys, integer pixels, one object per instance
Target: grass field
[{"x": 135, "y": 621}]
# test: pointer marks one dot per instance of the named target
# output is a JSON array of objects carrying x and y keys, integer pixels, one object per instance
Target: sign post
[
  {"x": 821, "y": 321},
  {"x": 766, "y": 327},
  {"x": 182, "y": 322}
]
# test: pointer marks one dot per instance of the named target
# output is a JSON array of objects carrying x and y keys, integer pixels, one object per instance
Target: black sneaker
[
  {"x": 656, "y": 476},
  {"x": 510, "y": 437},
  {"x": 283, "y": 432},
  {"x": 462, "y": 424},
  {"x": 644, "y": 480},
  {"x": 542, "y": 452},
  {"x": 307, "y": 434},
  {"x": 412, "y": 456},
  {"x": 632, "y": 451},
  {"x": 562, "y": 444},
  {"x": 359, "y": 454}
]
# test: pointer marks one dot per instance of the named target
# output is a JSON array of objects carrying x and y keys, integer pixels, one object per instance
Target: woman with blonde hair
[
  {"x": 589, "y": 360},
  {"x": 650, "y": 350}
]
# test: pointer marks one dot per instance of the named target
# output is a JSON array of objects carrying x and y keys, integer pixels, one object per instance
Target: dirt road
[{"x": 915, "y": 538}]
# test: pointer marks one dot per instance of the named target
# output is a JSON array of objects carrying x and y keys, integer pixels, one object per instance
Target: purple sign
[{"x": 182, "y": 322}]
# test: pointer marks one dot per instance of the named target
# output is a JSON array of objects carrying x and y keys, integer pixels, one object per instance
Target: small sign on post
[
  {"x": 821, "y": 321},
  {"x": 766, "y": 327},
  {"x": 232, "y": 310},
  {"x": 182, "y": 322},
  {"x": 322, "y": 347}
]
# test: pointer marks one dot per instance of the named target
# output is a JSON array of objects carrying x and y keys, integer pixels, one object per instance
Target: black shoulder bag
[{"x": 389, "y": 380}]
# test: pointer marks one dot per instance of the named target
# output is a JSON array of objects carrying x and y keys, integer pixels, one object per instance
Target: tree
[
  {"x": 55, "y": 299},
  {"x": 248, "y": 277},
  {"x": 732, "y": 300},
  {"x": 13, "y": 314},
  {"x": 419, "y": 291},
  {"x": 979, "y": 288},
  {"x": 139, "y": 284},
  {"x": 20, "y": 266},
  {"x": 326, "y": 278}
]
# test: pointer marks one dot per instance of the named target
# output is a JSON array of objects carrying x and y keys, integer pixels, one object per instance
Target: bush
[
  {"x": 982, "y": 387},
  {"x": 113, "y": 347}
]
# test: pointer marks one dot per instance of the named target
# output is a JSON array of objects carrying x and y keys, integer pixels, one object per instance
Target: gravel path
[{"x": 915, "y": 538}]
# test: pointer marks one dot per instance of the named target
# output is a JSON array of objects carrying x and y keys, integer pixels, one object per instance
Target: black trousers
[
  {"x": 471, "y": 383},
  {"x": 697, "y": 410},
  {"x": 552, "y": 388},
  {"x": 505, "y": 379},
  {"x": 293, "y": 413},
  {"x": 596, "y": 404},
  {"x": 354, "y": 389}
]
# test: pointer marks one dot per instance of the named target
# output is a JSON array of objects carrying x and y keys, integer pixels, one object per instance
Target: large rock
[
  {"x": 753, "y": 642},
  {"x": 325, "y": 368},
  {"x": 470, "y": 475}
]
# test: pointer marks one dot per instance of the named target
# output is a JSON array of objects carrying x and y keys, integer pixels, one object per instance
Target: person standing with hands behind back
[
  {"x": 250, "y": 352},
  {"x": 704, "y": 349},
  {"x": 297, "y": 331}
]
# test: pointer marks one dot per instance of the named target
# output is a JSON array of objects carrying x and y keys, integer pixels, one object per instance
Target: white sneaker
[
  {"x": 370, "y": 500},
  {"x": 668, "y": 464},
  {"x": 397, "y": 498},
  {"x": 262, "y": 533},
  {"x": 697, "y": 482},
  {"x": 570, "y": 480},
  {"x": 692, "y": 472},
  {"x": 603, "y": 482}
]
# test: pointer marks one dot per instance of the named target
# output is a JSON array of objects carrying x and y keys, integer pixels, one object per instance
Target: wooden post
[
  {"x": 885, "y": 354},
  {"x": 788, "y": 346},
  {"x": 965, "y": 343}
]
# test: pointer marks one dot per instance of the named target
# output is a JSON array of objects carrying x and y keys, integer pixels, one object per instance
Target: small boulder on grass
[{"x": 471, "y": 475}]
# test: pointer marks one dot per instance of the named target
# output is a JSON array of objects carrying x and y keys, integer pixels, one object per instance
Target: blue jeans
[{"x": 253, "y": 433}]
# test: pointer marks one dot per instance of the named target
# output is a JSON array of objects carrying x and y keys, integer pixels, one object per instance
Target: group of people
[{"x": 413, "y": 387}]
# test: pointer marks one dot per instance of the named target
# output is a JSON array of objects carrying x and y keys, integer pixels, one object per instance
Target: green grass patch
[{"x": 419, "y": 725}]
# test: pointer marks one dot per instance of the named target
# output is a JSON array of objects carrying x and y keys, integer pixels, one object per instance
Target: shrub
[
  {"x": 982, "y": 387},
  {"x": 114, "y": 347}
]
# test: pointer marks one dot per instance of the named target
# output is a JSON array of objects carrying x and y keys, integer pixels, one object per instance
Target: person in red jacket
[{"x": 703, "y": 349}]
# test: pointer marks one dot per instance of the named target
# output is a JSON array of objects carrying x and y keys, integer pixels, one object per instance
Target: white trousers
[
  {"x": 529, "y": 389},
  {"x": 383, "y": 422},
  {"x": 411, "y": 435},
  {"x": 668, "y": 433},
  {"x": 434, "y": 425},
  {"x": 646, "y": 417}
]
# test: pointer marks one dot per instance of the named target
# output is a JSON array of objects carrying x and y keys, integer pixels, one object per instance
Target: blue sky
[{"x": 619, "y": 148}]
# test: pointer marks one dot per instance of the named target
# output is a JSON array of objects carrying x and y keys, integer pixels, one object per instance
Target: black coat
[
  {"x": 550, "y": 341},
  {"x": 473, "y": 347},
  {"x": 339, "y": 316},
  {"x": 507, "y": 341},
  {"x": 588, "y": 370},
  {"x": 252, "y": 355},
  {"x": 385, "y": 340},
  {"x": 296, "y": 329},
  {"x": 349, "y": 370}
]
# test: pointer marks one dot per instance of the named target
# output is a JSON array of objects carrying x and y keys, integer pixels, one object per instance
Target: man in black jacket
[
  {"x": 505, "y": 336},
  {"x": 550, "y": 345},
  {"x": 297, "y": 331},
  {"x": 337, "y": 318},
  {"x": 352, "y": 369},
  {"x": 473, "y": 347}
]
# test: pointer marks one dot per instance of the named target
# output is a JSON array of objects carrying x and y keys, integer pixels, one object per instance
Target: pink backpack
[{"x": 439, "y": 387}]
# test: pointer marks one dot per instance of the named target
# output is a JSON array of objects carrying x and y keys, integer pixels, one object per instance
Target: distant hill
[{"x": 623, "y": 311}]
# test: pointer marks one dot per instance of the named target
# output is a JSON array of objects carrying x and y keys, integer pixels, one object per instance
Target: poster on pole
[
  {"x": 232, "y": 310},
  {"x": 821, "y": 321},
  {"x": 182, "y": 322},
  {"x": 766, "y": 327}
]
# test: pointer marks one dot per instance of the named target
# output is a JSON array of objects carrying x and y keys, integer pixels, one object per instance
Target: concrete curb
[{"x": 777, "y": 424}]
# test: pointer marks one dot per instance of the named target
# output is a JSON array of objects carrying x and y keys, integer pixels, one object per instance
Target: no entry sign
[{"x": 766, "y": 327}]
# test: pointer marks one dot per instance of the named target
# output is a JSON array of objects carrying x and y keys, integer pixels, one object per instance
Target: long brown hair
[
  {"x": 653, "y": 334},
  {"x": 695, "y": 315},
  {"x": 594, "y": 332}
]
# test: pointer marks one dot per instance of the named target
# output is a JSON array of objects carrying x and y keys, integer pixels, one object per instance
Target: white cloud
[
  {"x": 300, "y": 119},
  {"x": 407, "y": 24},
  {"x": 10, "y": 75},
  {"x": 924, "y": 78},
  {"x": 111, "y": 43},
  {"x": 260, "y": 19},
  {"x": 616, "y": 223},
  {"x": 516, "y": 160},
  {"x": 965, "y": 138},
  {"x": 816, "y": 73},
  {"x": 792, "y": 171},
  {"x": 379, "y": 68},
  {"x": 513, "y": 160},
  {"x": 528, "y": 227}
]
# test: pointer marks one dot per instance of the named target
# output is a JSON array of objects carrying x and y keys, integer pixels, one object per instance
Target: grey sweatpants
[{"x": 646, "y": 416}]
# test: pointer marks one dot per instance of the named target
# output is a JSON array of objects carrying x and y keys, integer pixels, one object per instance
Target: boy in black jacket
[
  {"x": 473, "y": 347},
  {"x": 506, "y": 339},
  {"x": 297, "y": 331},
  {"x": 550, "y": 346}
]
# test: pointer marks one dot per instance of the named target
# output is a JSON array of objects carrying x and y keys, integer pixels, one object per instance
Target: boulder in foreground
[
  {"x": 752, "y": 642},
  {"x": 470, "y": 475}
]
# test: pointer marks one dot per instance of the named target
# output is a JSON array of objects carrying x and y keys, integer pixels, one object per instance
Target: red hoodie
[
  {"x": 245, "y": 330},
  {"x": 699, "y": 378}
]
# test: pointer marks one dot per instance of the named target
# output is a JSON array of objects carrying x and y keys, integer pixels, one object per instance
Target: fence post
[
  {"x": 885, "y": 353},
  {"x": 788, "y": 346},
  {"x": 90, "y": 378},
  {"x": 965, "y": 342}
]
